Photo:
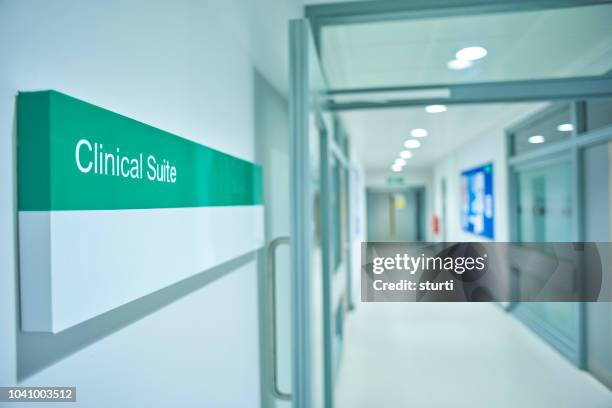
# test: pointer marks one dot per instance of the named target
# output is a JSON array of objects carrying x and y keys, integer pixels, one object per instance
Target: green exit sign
[{"x": 395, "y": 181}]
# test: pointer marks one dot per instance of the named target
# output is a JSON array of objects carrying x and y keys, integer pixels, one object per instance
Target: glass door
[
  {"x": 307, "y": 129},
  {"x": 335, "y": 172},
  {"x": 320, "y": 230},
  {"x": 544, "y": 213}
]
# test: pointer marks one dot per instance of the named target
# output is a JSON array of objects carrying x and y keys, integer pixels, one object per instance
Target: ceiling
[
  {"x": 378, "y": 135},
  {"x": 550, "y": 43},
  {"x": 313, "y": 2}
]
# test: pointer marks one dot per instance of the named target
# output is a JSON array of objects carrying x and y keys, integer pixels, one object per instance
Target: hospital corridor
[{"x": 306, "y": 203}]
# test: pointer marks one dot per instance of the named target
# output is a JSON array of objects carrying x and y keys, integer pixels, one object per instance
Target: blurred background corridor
[{"x": 336, "y": 123}]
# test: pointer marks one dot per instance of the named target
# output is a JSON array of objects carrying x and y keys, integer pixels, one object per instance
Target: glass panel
[
  {"x": 552, "y": 127},
  {"x": 597, "y": 228},
  {"x": 339, "y": 202},
  {"x": 599, "y": 340},
  {"x": 307, "y": 82},
  {"x": 344, "y": 216},
  {"x": 544, "y": 210},
  {"x": 337, "y": 130},
  {"x": 545, "y": 214},
  {"x": 336, "y": 218},
  {"x": 596, "y": 192},
  {"x": 598, "y": 113},
  {"x": 316, "y": 266},
  {"x": 552, "y": 43}
]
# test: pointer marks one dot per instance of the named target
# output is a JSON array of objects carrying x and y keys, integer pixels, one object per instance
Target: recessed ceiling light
[
  {"x": 419, "y": 133},
  {"x": 458, "y": 64},
  {"x": 435, "y": 108},
  {"x": 412, "y": 144},
  {"x": 565, "y": 127},
  {"x": 405, "y": 154},
  {"x": 537, "y": 139},
  {"x": 400, "y": 162},
  {"x": 396, "y": 168},
  {"x": 471, "y": 53}
]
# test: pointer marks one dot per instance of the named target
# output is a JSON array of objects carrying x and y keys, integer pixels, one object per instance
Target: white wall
[
  {"x": 183, "y": 66},
  {"x": 486, "y": 147}
]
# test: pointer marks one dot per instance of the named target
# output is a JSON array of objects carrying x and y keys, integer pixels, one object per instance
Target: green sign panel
[
  {"x": 395, "y": 181},
  {"x": 76, "y": 156}
]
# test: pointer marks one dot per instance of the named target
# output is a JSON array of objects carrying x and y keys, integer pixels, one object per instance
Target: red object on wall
[{"x": 435, "y": 225}]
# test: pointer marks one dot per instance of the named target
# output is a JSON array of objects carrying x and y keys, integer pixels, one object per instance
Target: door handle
[{"x": 272, "y": 306}]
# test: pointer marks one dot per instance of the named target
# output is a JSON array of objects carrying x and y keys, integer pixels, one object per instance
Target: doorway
[
  {"x": 373, "y": 86},
  {"x": 396, "y": 215}
]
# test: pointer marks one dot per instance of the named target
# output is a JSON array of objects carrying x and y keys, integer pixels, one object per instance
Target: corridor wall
[
  {"x": 488, "y": 146},
  {"x": 186, "y": 67}
]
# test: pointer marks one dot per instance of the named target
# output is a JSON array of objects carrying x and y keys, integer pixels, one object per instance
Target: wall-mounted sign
[
  {"x": 477, "y": 201},
  {"x": 111, "y": 209},
  {"x": 395, "y": 180}
]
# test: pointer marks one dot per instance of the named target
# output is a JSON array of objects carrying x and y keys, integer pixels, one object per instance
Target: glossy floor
[{"x": 455, "y": 355}]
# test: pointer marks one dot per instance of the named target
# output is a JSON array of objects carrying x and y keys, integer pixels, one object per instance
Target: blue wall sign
[{"x": 477, "y": 201}]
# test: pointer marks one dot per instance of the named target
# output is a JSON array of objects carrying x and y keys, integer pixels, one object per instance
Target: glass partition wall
[
  {"x": 544, "y": 214},
  {"x": 560, "y": 189}
]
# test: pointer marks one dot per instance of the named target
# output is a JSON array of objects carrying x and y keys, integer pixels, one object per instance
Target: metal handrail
[{"x": 275, "y": 243}]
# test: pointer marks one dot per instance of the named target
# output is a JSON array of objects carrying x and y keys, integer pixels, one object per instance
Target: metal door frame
[
  {"x": 371, "y": 11},
  {"x": 300, "y": 100},
  {"x": 302, "y": 103},
  {"x": 331, "y": 154},
  {"x": 301, "y": 210}
]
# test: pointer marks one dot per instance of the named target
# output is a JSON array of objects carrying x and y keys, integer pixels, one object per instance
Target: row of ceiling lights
[
  {"x": 414, "y": 143},
  {"x": 463, "y": 59},
  {"x": 400, "y": 162}
]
